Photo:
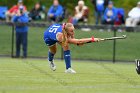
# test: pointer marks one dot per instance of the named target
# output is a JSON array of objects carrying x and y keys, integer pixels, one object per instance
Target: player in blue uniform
[{"x": 64, "y": 35}]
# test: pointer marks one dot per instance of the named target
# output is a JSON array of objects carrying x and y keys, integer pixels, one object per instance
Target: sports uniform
[
  {"x": 50, "y": 35},
  {"x": 50, "y": 38}
]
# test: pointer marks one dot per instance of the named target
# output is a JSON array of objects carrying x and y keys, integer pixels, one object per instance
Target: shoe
[
  {"x": 138, "y": 66},
  {"x": 52, "y": 65},
  {"x": 70, "y": 70}
]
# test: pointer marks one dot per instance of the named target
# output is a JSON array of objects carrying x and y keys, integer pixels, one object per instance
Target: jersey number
[{"x": 53, "y": 29}]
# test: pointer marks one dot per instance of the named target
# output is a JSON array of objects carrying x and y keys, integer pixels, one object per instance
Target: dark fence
[{"x": 115, "y": 50}]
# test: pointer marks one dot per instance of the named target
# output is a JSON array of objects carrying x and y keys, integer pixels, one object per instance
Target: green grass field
[{"x": 34, "y": 76}]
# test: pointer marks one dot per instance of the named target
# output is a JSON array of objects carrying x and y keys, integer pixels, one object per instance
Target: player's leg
[
  {"x": 51, "y": 53},
  {"x": 67, "y": 57}
]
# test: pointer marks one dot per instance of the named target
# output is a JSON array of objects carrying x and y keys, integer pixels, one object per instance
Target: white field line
[{"x": 62, "y": 87}]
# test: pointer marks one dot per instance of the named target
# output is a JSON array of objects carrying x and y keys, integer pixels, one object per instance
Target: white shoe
[
  {"x": 70, "y": 70},
  {"x": 52, "y": 65}
]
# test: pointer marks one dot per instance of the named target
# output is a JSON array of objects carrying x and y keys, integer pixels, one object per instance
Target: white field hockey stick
[{"x": 111, "y": 38}]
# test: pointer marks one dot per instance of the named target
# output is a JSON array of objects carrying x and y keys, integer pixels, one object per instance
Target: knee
[
  {"x": 53, "y": 51},
  {"x": 65, "y": 48}
]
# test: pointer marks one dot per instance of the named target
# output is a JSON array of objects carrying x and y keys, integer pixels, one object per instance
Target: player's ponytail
[
  {"x": 66, "y": 27},
  {"x": 65, "y": 38}
]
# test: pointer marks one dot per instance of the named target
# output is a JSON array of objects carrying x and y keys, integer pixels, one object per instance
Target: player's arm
[
  {"x": 82, "y": 41},
  {"x": 59, "y": 37},
  {"x": 73, "y": 40}
]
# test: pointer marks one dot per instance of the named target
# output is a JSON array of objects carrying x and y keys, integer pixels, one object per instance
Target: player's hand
[{"x": 97, "y": 39}]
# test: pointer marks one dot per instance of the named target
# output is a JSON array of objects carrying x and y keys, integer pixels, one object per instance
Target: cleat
[
  {"x": 52, "y": 65},
  {"x": 70, "y": 70},
  {"x": 138, "y": 66}
]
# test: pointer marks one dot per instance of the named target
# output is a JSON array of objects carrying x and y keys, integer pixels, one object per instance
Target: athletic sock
[
  {"x": 67, "y": 58},
  {"x": 50, "y": 56}
]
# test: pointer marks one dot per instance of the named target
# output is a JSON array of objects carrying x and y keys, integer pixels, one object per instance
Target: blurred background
[{"x": 126, "y": 4}]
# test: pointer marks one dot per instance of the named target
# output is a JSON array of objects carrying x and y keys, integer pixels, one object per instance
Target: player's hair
[{"x": 66, "y": 26}]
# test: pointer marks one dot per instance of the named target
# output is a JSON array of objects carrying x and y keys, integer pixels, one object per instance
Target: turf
[{"x": 34, "y": 76}]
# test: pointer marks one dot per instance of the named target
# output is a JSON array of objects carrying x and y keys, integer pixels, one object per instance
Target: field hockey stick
[
  {"x": 111, "y": 38},
  {"x": 114, "y": 38}
]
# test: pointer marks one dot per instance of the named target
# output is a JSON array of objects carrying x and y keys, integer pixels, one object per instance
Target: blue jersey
[
  {"x": 51, "y": 33},
  {"x": 22, "y": 19}
]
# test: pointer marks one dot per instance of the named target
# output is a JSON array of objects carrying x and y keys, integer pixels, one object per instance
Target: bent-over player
[{"x": 64, "y": 35}]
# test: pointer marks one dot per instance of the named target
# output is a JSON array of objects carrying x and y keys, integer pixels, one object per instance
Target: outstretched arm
[
  {"x": 82, "y": 41},
  {"x": 73, "y": 40}
]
